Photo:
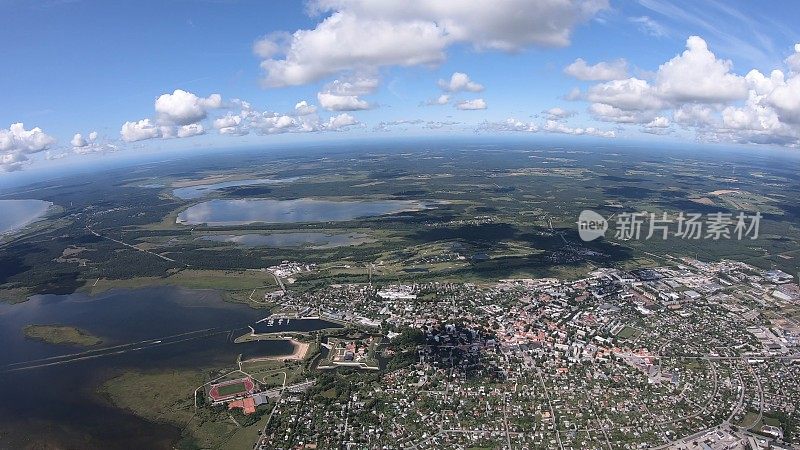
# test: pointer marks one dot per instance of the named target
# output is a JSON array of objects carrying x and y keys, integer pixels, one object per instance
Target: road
[{"x": 129, "y": 245}]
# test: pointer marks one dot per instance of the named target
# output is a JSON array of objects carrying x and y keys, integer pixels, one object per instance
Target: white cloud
[
  {"x": 385, "y": 126},
  {"x": 702, "y": 93},
  {"x": 227, "y": 122},
  {"x": 649, "y": 26},
  {"x": 628, "y": 94},
  {"x": 469, "y": 105},
  {"x": 303, "y": 108},
  {"x": 550, "y": 126},
  {"x": 659, "y": 122},
  {"x": 333, "y": 102},
  {"x": 440, "y": 100},
  {"x": 178, "y": 115},
  {"x": 343, "y": 95},
  {"x": 271, "y": 44},
  {"x": 303, "y": 119},
  {"x": 698, "y": 76},
  {"x": 553, "y": 126},
  {"x": 510, "y": 124},
  {"x": 558, "y": 113},
  {"x": 78, "y": 141},
  {"x": 359, "y": 85},
  {"x": 458, "y": 82},
  {"x": 340, "y": 122},
  {"x": 363, "y": 34},
  {"x": 17, "y": 139},
  {"x": 785, "y": 98},
  {"x": 602, "y": 71},
  {"x": 184, "y": 108},
  {"x": 685, "y": 84},
  {"x": 139, "y": 131},
  {"x": 16, "y": 143},
  {"x": 793, "y": 61},
  {"x": 694, "y": 115},
  {"x": 193, "y": 129},
  {"x": 608, "y": 113},
  {"x": 659, "y": 125}
]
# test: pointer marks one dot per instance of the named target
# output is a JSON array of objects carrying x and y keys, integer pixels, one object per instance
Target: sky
[{"x": 81, "y": 80}]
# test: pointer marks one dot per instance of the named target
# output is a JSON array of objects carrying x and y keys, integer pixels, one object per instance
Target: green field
[
  {"x": 627, "y": 333},
  {"x": 231, "y": 389}
]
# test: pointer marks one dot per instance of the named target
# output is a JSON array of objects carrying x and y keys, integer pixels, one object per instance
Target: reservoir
[
  {"x": 224, "y": 212},
  {"x": 202, "y": 190}
]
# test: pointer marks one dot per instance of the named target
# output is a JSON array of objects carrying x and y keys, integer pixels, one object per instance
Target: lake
[
  {"x": 224, "y": 212},
  {"x": 202, "y": 190},
  {"x": 310, "y": 239},
  {"x": 18, "y": 213},
  {"x": 58, "y": 403}
]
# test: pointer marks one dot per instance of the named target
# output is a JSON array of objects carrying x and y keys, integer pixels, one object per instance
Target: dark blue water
[{"x": 58, "y": 404}]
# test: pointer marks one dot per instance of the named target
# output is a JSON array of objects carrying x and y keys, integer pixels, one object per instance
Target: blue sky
[{"x": 73, "y": 66}]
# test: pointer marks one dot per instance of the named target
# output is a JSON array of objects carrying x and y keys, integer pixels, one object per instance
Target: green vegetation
[
  {"x": 167, "y": 397},
  {"x": 61, "y": 335},
  {"x": 230, "y": 389}
]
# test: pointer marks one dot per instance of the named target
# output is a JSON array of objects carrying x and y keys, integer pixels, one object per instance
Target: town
[{"x": 687, "y": 355}]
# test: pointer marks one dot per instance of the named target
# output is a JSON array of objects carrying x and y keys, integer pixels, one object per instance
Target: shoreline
[{"x": 299, "y": 353}]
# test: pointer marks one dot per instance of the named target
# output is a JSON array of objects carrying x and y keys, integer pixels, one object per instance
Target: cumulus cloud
[
  {"x": 303, "y": 119},
  {"x": 388, "y": 125},
  {"x": 459, "y": 82},
  {"x": 602, "y": 71},
  {"x": 340, "y": 122},
  {"x": 469, "y": 105},
  {"x": 16, "y": 143},
  {"x": 793, "y": 61},
  {"x": 510, "y": 124},
  {"x": 230, "y": 124},
  {"x": 193, "y": 129},
  {"x": 439, "y": 124},
  {"x": 549, "y": 126},
  {"x": 139, "y": 130},
  {"x": 440, "y": 100},
  {"x": 302, "y": 108},
  {"x": 659, "y": 125},
  {"x": 701, "y": 92},
  {"x": 333, "y": 102},
  {"x": 627, "y": 94},
  {"x": 698, "y": 76},
  {"x": 558, "y": 113},
  {"x": 363, "y": 34},
  {"x": 554, "y": 126},
  {"x": 184, "y": 108},
  {"x": 343, "y": 95},
  {"x": 177, "y": 115},
  {"x": 79, "y": 141},
  {"x": 607, "y": 113}
]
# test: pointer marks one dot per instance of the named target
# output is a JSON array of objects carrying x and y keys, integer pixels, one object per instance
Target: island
[{"x": 62, "y": 335}]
